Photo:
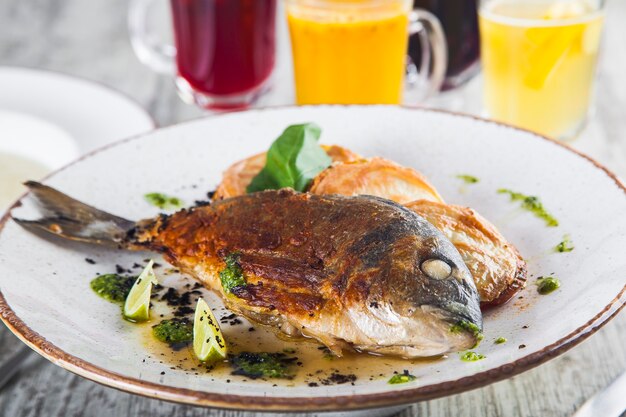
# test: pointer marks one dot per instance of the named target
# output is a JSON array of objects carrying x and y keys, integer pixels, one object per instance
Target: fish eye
[{"x": 436, "y": 269}]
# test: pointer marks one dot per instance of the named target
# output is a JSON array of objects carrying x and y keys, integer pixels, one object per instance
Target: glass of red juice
[
  {"x": 460, "y": 23},
  {"x": 223, "y": 53}
]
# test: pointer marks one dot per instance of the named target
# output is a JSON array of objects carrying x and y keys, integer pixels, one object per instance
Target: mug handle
[
  {"x": 426, "y": 81},
  {"x": 158, "y": 56}
]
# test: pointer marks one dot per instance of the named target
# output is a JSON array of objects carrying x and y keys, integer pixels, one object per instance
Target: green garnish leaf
[
  {"x": 471, "y": 356},
  {"x": 262, "y": 365},
  {"x": 500, "y": 340},
  {"x": 112, "y": 287},
  {"x": 466, "y": 326},
  {"x": 468, "y": 179},
  {"x": 532, "y": 204},
  {"x": 163, "y": 201},
  {"x": 402, "y": 378},
  {"x": 546, "y": 285},
  {"x": 293, "y": 160},
  {"x": 174, "y": 331},
  {"x": 566, "y": 245},
  {"x": 232, "y": 276}
]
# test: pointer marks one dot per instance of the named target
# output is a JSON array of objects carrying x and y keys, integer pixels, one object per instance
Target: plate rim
[
  {"x": 93, "y": 83},
  {"x": 320, "y": 403}
]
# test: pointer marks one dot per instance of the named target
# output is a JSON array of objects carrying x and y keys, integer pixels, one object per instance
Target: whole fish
[{"x": 361, "y": 273}]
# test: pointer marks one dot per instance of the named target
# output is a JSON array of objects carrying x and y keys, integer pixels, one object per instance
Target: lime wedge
[
  {"x": 208, "y": 341},
  {"x": 137, "y": 305}
]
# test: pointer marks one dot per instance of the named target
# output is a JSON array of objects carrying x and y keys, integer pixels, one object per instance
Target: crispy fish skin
[{"x": 344, "y": 270}]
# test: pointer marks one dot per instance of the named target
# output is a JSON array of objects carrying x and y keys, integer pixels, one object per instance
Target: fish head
[{"x": 423, "y": 301}]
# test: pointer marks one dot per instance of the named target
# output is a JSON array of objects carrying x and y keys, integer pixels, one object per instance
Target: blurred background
[{"x": 91, "y": 40}]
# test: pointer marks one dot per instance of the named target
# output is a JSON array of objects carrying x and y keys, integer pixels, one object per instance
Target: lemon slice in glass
[
  {"x": 137, "y": 305},
  {"x": 208, "y": 341},
  {"x": 567, "y": 10}
]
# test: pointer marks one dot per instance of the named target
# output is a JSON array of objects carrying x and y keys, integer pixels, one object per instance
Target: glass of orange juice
[
  {"x": 354, "y": 51},
  {"x": 539, "y": 59}
]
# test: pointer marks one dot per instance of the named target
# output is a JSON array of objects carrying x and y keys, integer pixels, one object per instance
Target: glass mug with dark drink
[
  {"x": 460, "y": 23},
  {"x": 224, "y": 50}
]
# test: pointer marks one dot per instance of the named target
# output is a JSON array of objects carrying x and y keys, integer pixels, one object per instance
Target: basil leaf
[{"x": 293, "y": 160}]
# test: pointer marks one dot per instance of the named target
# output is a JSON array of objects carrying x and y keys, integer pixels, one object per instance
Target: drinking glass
[
  {"x": 224, "y": 50},
  {"x": 539, "y": 59},
  {"x": 354, "y": 51},
  {"x": 460, "y": 23}
]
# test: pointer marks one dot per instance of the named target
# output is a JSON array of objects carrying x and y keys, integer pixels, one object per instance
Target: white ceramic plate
[
  {"x": 46, "y": 300},
  {"x": 92, "y": 114}
]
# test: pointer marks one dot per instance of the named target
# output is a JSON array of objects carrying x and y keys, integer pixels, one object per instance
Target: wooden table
[{"x": 89, "y": 39}]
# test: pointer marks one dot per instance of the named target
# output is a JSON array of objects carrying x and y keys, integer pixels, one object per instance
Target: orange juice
[
  {"x": 349, "y": 54},
  {"x": 539, "y": 61}
]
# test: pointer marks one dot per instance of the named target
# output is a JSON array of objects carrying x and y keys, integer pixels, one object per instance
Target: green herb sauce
[
  {"x": 566, "y": 245},
  {"x": 113, "y": 287},
  {"x": 500, "y": 340},
  {"x": 175, "y": 331},
  {"x": 471, "y": 356},
  {"x": 532, "y": 204},
  {"x": 262, "y": 365},
  {"x": 466, "y": 326},
  {"x": 468, "y": 179},
  {"x": 546, "y": 285},
  {"x": 402, "y": 378},
  {"x": 163, "y": 201},
  {"x": 232, "y": 276}
]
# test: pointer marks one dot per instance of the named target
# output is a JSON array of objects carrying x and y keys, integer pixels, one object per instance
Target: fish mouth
[
  {"x": 465, "y": 324},
  {"x": 442, "y": 328},
  {"x": 431, "y": 330},
  {"x": 462, "y": 313}
]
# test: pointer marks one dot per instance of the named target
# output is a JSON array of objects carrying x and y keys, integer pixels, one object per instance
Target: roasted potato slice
[
  {"x": 375, "y": 176},
  {"x": 237, "y": 177}
]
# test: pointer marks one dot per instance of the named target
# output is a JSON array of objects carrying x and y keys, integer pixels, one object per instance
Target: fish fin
[{"x": 71, "y": 219}]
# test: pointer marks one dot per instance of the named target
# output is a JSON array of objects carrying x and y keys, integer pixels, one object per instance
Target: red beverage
[{"x": 225, "y": 47}]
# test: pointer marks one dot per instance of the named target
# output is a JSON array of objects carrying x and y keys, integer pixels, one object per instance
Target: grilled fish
[
  {"x": 360, "y": 273},
  {"x": 498, "y": 270}
]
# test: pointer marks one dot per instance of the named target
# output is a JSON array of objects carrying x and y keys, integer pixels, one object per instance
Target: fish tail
[{"x": 68, "y": 218}]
